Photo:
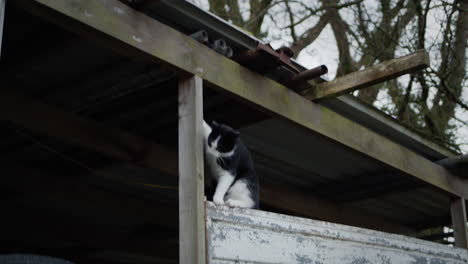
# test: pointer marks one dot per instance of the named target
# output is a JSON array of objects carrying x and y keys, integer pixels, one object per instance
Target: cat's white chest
[
  {"x": 211, "y": 154},
  {"x": 214, "y": 167}
]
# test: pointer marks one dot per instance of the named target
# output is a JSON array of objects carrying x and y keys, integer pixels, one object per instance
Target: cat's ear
[
  {"x": 236, "y": 133},
  {"x": 214, "y": 124}
]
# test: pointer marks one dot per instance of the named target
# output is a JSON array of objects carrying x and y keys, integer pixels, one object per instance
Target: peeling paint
[
  {"x": 219, "y": 235},
  {"x": 419, "y": 260},
  {"x": 253, "y": 236},
  {"x": 361, "y": 260},
  {"x": 302, "y": 259}
]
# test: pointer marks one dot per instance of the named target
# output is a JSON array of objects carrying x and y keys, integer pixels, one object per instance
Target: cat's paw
[
  {"x": 218, "y": 200},
  {"x": 234, "y": 203}
]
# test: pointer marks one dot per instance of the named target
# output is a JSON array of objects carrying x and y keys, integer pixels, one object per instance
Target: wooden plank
[
  {"x": 263, "y": 237},
  {"x": 113, "y": 20},
  {"x": 375, "y": 74},
  {"x": 191, "y": 178},
  {"x": 2, "y": 21},
  {"x": 459, "y": 222}
]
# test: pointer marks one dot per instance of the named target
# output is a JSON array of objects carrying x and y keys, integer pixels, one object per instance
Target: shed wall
[{"x": 251, "y": 236}]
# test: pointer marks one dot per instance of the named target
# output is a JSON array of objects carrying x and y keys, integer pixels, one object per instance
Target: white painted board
[{"x": 253, "y": 236}]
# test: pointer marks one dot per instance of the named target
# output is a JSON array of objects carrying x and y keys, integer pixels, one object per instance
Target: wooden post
[
  {"x": 459, "y": 222},
  {"x": 2, "y": 19},
  {"x": 191, "y": 178}
]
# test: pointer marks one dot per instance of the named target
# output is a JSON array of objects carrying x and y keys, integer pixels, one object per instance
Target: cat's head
[{"x": 223, "y": 138}]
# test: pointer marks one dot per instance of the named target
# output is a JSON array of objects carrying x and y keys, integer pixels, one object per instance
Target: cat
[{"x": 231, "y": 166}]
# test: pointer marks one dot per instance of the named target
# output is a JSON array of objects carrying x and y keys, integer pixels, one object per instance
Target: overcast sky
[{"x": 324, "y": 51}]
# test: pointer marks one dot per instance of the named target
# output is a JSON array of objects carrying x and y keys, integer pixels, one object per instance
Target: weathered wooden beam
[
  {"x": 191, "y": 178},
  {"x": 112, "y": 22},
  {"x": 459, "y": 222},
  {"x": 375, "y": 74},
  {"x": 265, "y": 237}
]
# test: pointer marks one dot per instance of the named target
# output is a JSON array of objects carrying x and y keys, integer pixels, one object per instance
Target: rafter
[{"x": 373, "y": 75}]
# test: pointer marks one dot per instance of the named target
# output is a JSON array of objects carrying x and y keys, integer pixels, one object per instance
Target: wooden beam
[
  {"x": 375, "y": 74},
  {"x": 191, "y": 178},
  {"x": 459, "y": 222},
  {"x": 115, "y": 24},
  {"x": 265, "y": 237}
]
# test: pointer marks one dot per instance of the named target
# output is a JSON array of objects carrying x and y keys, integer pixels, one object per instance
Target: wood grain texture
[
  {"x": 191, "y": 178},
  {"x": 117, "y": 24},
  {"x": 375, "y": 74},
  {"x": 459, "y": 222},
  {"x": 262, "y": 237}
]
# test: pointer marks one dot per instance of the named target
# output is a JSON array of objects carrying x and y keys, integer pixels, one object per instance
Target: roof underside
[{"x": 49, "y": 179}]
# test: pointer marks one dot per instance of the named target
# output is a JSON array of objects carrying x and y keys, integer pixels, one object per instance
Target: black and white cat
[{"x": 231, "y": 166}]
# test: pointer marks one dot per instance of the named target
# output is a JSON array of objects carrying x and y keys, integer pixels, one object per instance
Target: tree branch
[
  {"x": 291, "y": 21},
  {"x": 404, "y": 104},
  {"x": 258, "y": 10},
  {"x": 310, "y": 35}
]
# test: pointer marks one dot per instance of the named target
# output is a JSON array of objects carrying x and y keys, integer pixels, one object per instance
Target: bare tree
[
  {"x": 230, "y": 10},
  {"x": 368, "y": 32}
]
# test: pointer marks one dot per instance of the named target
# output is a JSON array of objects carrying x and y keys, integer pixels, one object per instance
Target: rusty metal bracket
[
  {"x": 299, "y": 82},
  {"x": 264, "y": 59}
]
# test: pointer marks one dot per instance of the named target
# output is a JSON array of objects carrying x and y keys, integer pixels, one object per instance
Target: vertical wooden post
[
  {"x": 191, "y": 178},
  {"x": 459, "y": 222},
  {"x": 2, "y": 19}
]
